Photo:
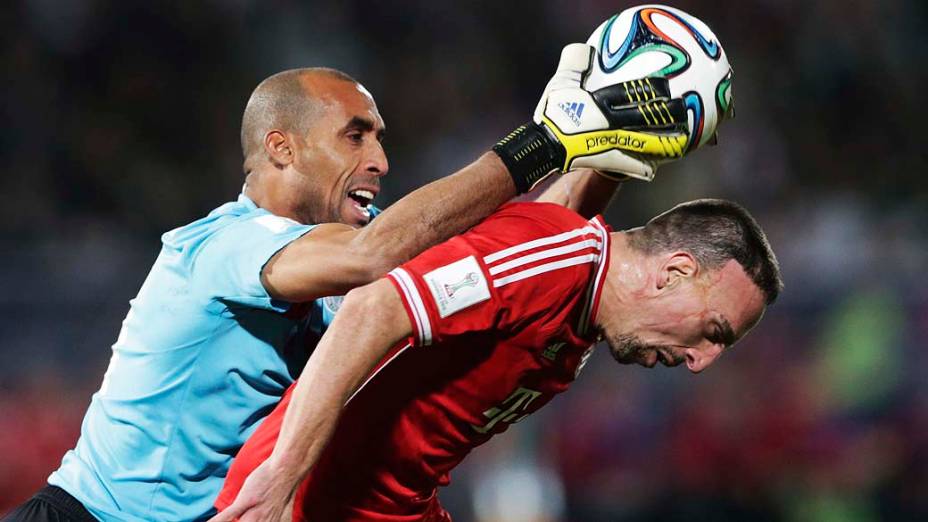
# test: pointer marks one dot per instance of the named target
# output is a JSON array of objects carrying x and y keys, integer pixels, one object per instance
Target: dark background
[{"x": 121, "y": 121}]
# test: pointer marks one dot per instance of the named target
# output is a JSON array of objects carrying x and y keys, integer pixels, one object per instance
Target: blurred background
[{"x": 121, "y": 121}]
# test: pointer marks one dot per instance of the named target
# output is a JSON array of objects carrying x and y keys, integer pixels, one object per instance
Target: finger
[
  {"x": 657, "y": 115},
  {"x": 576, "y": 58},
  {"x": 618, "y": 164},
  {"x": 252, "y": 516},
  {"x": 633, "y": 92},
  {"x": 231, "y": 513},
  {"x": 572, "y": 69}
]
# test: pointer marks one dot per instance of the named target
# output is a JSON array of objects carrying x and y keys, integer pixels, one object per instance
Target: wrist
[
  {"x": 530, "y": 154},
  {"x": 283, "y": 468}
]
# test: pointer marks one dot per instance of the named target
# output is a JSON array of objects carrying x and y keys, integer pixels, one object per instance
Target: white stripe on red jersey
[
  {"x": 544, "y": 254},
  {"x": 550, "y": 240},
  {"x": 590, "y": 242},
  {"x": 587, "y": 241},
  {"x": 589, "y": 312},
  {"x": 423, "y": 327},
  {"x": 547, "y": 267}
]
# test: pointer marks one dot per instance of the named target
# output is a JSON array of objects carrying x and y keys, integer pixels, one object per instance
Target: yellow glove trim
[{"x": 595, "y": 142}]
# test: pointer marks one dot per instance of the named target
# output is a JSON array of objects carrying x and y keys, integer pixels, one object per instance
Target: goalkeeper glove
[{"x": 625, "y": 129}]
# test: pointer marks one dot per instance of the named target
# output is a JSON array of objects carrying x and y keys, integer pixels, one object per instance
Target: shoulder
[
  {"x": 525, "y": 233},
  {"x": 554, "y": 264},
  {"x": 520, "y": 226},
  {"x": 232, "y": 225},
  {"x": 232, "y": 243},
  {"x": 535, "y": 216}
]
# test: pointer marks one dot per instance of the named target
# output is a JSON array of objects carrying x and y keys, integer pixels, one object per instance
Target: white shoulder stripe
[
  {"x": 597, "y": 279},
  {"x": 544, "y": 254},
  {"x": 522, "y": 247},
  {"x": 419, "y": 312},
  {"x": 398, "y": 276},
  {"x": 547, "y": 267}
]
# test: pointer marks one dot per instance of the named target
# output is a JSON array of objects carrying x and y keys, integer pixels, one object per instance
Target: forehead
[
  {"x": 736, "y": 297},
  {"x": 342, "y": 100}
]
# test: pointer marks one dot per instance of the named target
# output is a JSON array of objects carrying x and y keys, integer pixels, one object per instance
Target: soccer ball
[{"x": 660, "y": 41}]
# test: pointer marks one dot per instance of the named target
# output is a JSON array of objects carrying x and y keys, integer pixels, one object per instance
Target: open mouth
[{"x": 362, "y": 197}]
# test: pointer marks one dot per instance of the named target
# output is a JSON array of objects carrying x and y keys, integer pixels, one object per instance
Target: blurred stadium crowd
[{"x": 121, "y": 121}]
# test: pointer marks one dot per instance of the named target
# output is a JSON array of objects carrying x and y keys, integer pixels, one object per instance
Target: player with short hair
[
  {"x": 500, "y": 319},
  {"x": 212, "y": 340}
]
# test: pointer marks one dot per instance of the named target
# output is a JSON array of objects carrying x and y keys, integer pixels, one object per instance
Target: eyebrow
[
  {"x": 363, "y": 124},
  {"x": 728, "y": 335}
]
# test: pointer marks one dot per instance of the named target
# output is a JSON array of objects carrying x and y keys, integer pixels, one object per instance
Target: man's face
[
  {"x": 690, "y": 320},
  {"x": 341, "y": 159}
]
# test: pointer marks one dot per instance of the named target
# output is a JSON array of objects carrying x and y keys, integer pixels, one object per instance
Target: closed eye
[{"x": 722, "y": 333}]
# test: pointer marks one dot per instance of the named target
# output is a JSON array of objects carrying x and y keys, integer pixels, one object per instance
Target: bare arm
[
  {"x": 334, "y": 258},
  {"x": 343, "y": 358},
  {"x": 583, "y": 191},
  {"x": 347, "y": 353},
  {"x": 302, "y": 271}
]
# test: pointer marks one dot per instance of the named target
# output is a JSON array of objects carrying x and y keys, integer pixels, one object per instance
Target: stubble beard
[{"x": 630, "y": 349}]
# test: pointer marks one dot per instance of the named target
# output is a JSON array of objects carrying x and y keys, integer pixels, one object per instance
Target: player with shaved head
[
  {"x": 297, "y": 100},
  {"x": 229, "y": 310}
]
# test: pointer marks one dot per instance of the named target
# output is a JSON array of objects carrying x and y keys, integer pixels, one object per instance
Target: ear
[
  {"x": 677, "y": 267},
  {"x": 278, "y": 148}
]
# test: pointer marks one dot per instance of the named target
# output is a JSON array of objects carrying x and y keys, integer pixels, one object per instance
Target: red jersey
[{"x": 502, "y": 318}]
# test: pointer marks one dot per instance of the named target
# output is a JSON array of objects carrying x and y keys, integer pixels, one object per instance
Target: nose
[
  {"x": 700, "y": 358},
  {"x": 376, "y": 163}
]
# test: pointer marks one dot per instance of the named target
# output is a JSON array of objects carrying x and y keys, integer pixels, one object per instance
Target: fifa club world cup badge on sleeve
[{"x": 457, "y": 286}]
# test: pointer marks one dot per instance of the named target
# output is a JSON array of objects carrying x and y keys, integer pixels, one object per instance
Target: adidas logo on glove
[{"x": 573, "y": 111}]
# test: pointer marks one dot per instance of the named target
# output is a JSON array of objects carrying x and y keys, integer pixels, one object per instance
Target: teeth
[
  {"x": 363, "y": 193},
  {"x": 364, "y": 210}
]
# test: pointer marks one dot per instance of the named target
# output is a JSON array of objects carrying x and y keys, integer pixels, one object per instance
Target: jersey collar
[{"x": 596, "y": 285}]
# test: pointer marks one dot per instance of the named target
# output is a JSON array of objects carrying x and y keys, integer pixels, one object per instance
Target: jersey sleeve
[
  {"x": 512, "y": 272},
  {"x": 446, "y": 292},
  {"x": 229, "y": 265}
]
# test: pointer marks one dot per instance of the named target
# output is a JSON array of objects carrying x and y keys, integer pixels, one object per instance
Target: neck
[
  {"x": 267, "y": 190},
  {"x": 625, "y": 276}
]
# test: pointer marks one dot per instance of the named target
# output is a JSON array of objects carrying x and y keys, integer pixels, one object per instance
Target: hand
[
  {"x": 265, "y": 496},
  {"x": 626, "y": 129}
]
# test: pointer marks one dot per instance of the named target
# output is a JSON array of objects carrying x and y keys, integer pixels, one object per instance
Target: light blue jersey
[{"x": 201, "y": 359}]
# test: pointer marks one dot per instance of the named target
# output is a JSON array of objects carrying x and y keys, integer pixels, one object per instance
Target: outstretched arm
[
  {"x": 335, "y": 258},
  {"x": 584, "y": 191},
  {"x": 343, "y": 358},
  {"x": 347, "y": 258}
]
